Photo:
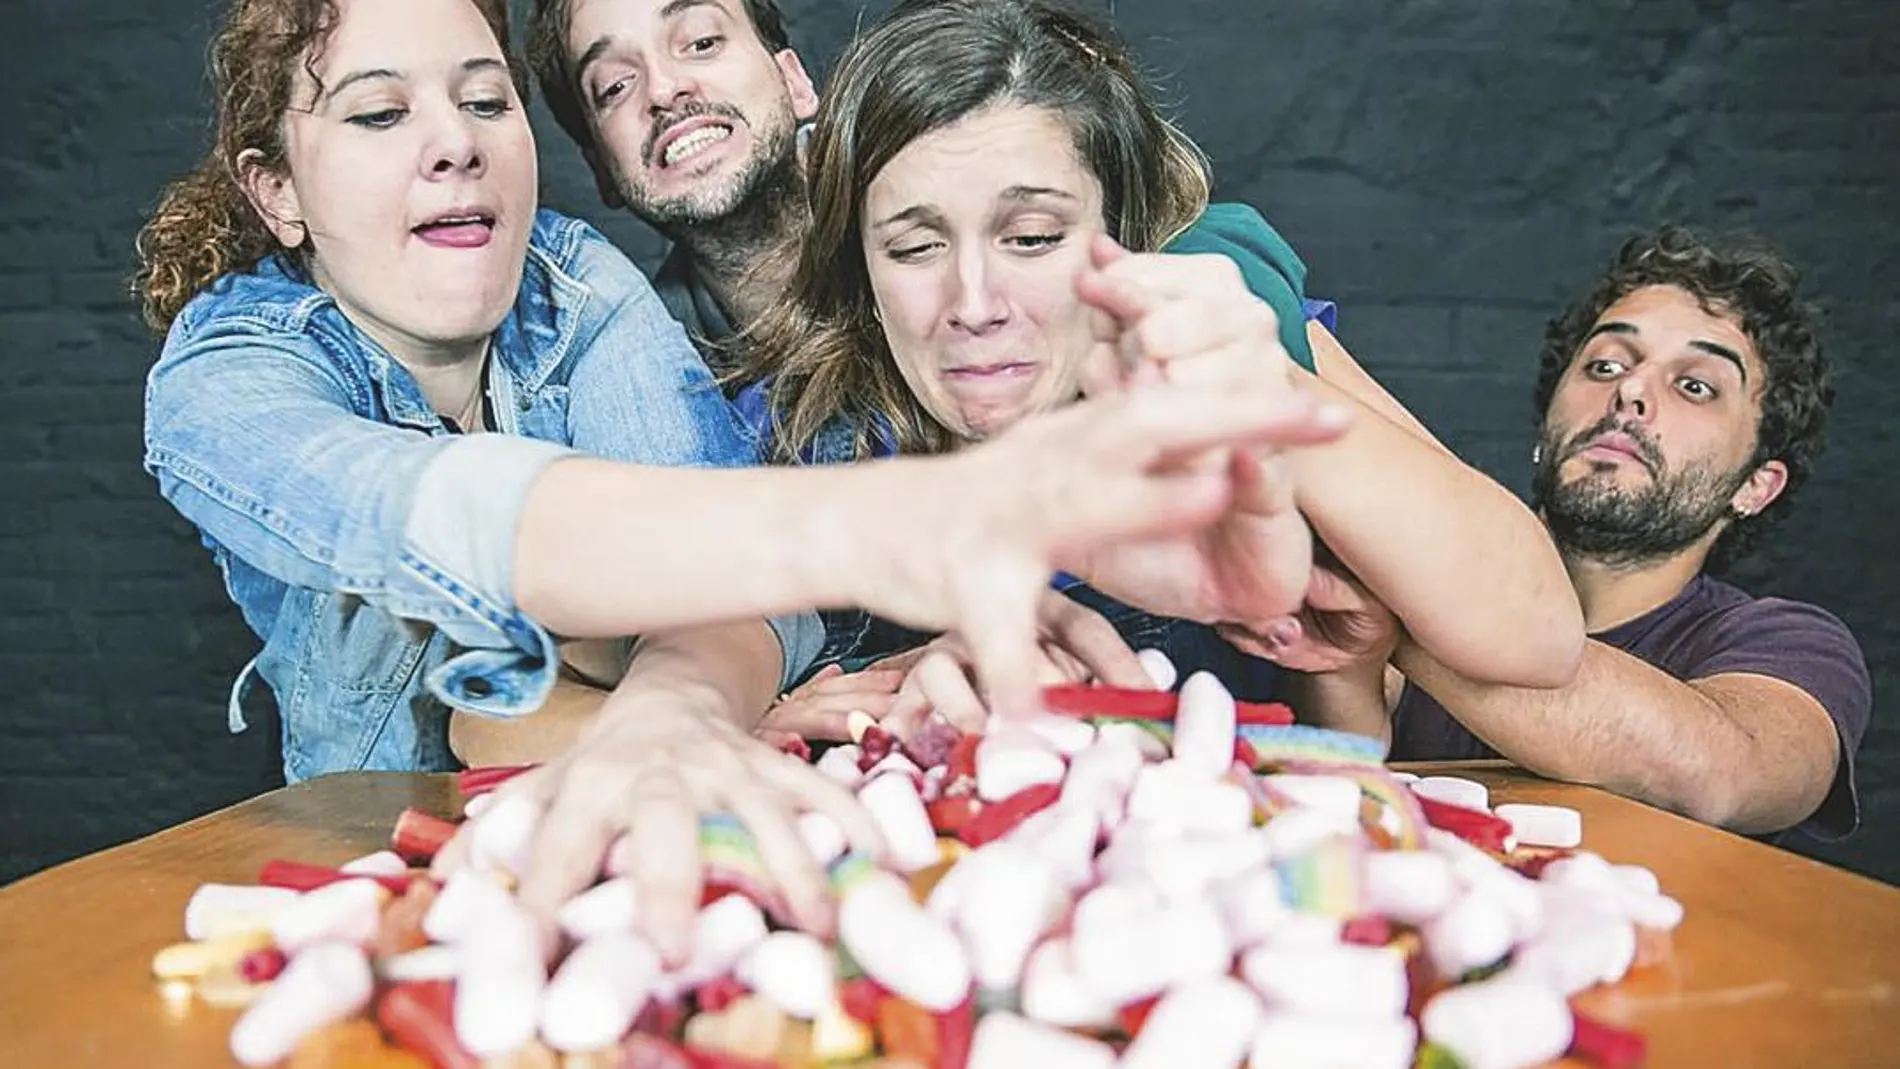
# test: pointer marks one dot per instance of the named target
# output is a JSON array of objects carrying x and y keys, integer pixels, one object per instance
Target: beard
[
  {"x": 1592, "y": 517},
  {"x": 767, "y": 174}
]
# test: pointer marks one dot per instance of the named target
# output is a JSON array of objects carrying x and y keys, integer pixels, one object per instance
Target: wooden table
[{"x": 1782, "y": 962}]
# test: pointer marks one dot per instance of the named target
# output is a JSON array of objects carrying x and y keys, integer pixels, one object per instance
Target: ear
[
  {"x": 274, "y": 195},
  {"x": 798, "y": 83},
  {"x": 1764, "y": 485}
]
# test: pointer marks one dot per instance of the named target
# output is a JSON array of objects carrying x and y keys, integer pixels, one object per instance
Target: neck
[
  {"x": 1616, "y": 593},
  {"x": 747, "y": 258},
  {"x": 449, "y": 374}
]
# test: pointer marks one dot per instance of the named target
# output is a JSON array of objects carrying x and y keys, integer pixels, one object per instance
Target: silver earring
[{"x": 1537, "y": 454}]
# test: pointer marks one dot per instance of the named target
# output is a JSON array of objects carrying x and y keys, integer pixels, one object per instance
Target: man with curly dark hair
[{"x": 1683, "y": 401}]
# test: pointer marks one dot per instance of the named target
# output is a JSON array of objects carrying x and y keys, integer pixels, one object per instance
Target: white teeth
[{"x": 693, "y": 142}]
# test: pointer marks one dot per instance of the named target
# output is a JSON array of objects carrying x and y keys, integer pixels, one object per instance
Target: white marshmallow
[
  {"x": 380, "y": 863},
  {"x": 1204, "y": 726},
  {"x": 322, "y": 985},
  {"x": 599, "y": 990},
  {"x": 1456, "y": 790},
  {"x": 793, "y": 971},
  {"x": 841, "y": 764},
  {"x": 1543, "y": 825},
  {"x": 1291, "y": 1040},
  {"x": 1409, "y": 886},
  {"x": 1013, "y": 758},
  {"x": 348, "y": 911},
  {"x": 1160, "y": 669},
  {"x": 1053, "y": 993},
  {"x": 901, "y": 946},
  {"x": 1343, "y": 979},
  {"x": 1146, "y": 955},
  {"x": 1205, "y": 1024},
  {"x": 1008, "y": 1041},
  {"x": 1506, "y": 1022},
  {"x": 498, "y": 993},
  {"x": 895, "y": 806},
  {"x": 222, "y": 908},
  {"x": 1333, "y": 794},
  {"x": 609, "y": 906}
]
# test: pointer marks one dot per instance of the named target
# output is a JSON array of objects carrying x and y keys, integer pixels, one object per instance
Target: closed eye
[{"x": 380, "y": 119}]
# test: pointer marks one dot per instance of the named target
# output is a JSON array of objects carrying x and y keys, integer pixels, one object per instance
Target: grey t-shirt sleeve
[{"x": 1808, "y": 648}]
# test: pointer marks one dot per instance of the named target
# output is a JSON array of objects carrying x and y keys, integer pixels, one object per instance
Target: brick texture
[{"x": 1450, "y": 169}]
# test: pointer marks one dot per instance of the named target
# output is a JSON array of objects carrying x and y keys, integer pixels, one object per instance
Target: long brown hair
[
  {"x": 205, "y": 226},
  {"x": 926, "y": 66}
]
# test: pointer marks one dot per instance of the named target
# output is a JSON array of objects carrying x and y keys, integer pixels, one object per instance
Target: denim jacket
[{"x": 371, "y": 548}]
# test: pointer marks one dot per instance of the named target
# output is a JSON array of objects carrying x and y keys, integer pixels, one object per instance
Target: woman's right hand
[
  {"x": 648, "y": 768},
  {"x": 969, "y": 541}
]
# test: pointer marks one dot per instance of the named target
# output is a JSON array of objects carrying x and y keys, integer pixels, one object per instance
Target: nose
[
  {"x": 976, "y": 305},
  {"x": 1632, "y": 396},
  {"x": 454, "y": 150},
  {"x": 669, "y": 83}
]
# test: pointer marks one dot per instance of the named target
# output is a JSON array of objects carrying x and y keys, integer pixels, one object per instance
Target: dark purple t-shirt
[{"x": 1711, "y": 628}]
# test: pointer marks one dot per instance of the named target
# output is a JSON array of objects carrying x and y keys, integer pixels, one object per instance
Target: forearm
[
  {"x": 1342, "y": 701},
  {"x": 606, "y": 549},
  {"x": 730, "y": 671},
  {"x": 1631, "y": 728},
  {"x": 540, "y": 736},
  {"x": 1468, "y": 569}
]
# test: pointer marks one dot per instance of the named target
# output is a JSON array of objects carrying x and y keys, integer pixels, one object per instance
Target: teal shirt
[{"x": 1274, "y": 272}]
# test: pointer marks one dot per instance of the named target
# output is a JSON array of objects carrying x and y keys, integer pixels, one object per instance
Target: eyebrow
[
  {"x": 918, "y": 213},
  {"x": 1711, "y": 348},
  {"x": 478, "y": 63},
  {"x": 604, "y": 42}
]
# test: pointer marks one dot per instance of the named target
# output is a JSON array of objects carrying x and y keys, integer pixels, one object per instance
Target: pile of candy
[{"x": 1142, "y": 879}]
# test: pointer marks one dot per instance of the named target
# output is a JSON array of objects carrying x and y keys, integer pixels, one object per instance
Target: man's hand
[
  {"x": 1339, "y": 627},
  {"x": 821, "y": 707}
]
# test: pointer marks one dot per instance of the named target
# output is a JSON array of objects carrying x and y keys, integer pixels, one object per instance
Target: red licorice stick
[
  {"x": 1135, "y": 1014},
  {"x": 952, "y": 814},
  {"x": 261, "y": 966},
  {"x": 1083, "y": 700},
  {"x": 1605, "y": 1045},
  {"x": 716, "y": 994},
  {"x": 483, "y": 779},
  {"x": 661, "y": 1018},
  {"x": 1126, "y": 703},
  {"x": 1244, "y": 755},
  {"x": 1475, "y": 826},
  {"x": 859, "y": 996},
  {"x": 997, "y": 818},
  {"x": 962, "y": 759},
  {"x": 875, "y": 746},
  {"x": 420, "y": 1017},
  {"x": 301, "y": 877},
  {"x": 955, "y": 1031},
  {"x": 420, "y": 836},
  {"x": 1263, "y": 714},
  {"x": 1533, "y": 866},
  {"x": 1367, "y": 930},
  {"x": 796, "y": 746}
]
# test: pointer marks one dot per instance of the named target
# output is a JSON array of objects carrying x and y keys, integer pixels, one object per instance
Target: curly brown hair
[
  {"x": 1749, "y": 282},
  {"x": 924, "y": 67},
  {"x": 205, "y": 225},
  {"x": 548, "y": 22}
]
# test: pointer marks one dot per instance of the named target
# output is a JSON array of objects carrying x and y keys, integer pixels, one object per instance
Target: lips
[
  {"x": 459, "y": 228},
  {"x": 688, "y": 138},
  {"x": 1617, "y": 444}
]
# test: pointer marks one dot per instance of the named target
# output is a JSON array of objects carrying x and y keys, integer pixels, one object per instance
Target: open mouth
[
  {"x": 685, "y": 146},
  {"x": 460, "y": 229}
]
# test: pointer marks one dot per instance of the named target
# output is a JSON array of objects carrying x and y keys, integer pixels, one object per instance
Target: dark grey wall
[{"x": 1450, "y": 169}]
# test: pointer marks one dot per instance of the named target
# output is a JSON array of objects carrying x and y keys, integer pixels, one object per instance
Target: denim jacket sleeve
[
  {"x": 253, "y": 437},
  {"x": 641, "y": 393}
]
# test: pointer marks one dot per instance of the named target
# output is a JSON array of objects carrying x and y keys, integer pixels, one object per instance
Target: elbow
[{"x": 1545, "y": 654}]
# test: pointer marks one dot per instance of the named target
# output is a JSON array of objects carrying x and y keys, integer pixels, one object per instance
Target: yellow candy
[
  {"x": 836, "y": 1036},
  {"x": 222, "y": 986},
  {"x": 188, "y": 961},
  {"x": 751, "y": 1027}
]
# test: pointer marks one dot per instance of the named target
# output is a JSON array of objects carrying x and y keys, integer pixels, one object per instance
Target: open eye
[
  {"x": 1602, "y": 367},
  {"x": 705, "y": 46},
  {"x": 492, "y": 108},
  {"x": 612, "y": 91},
  {"x": 1696, "y": 389}
]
